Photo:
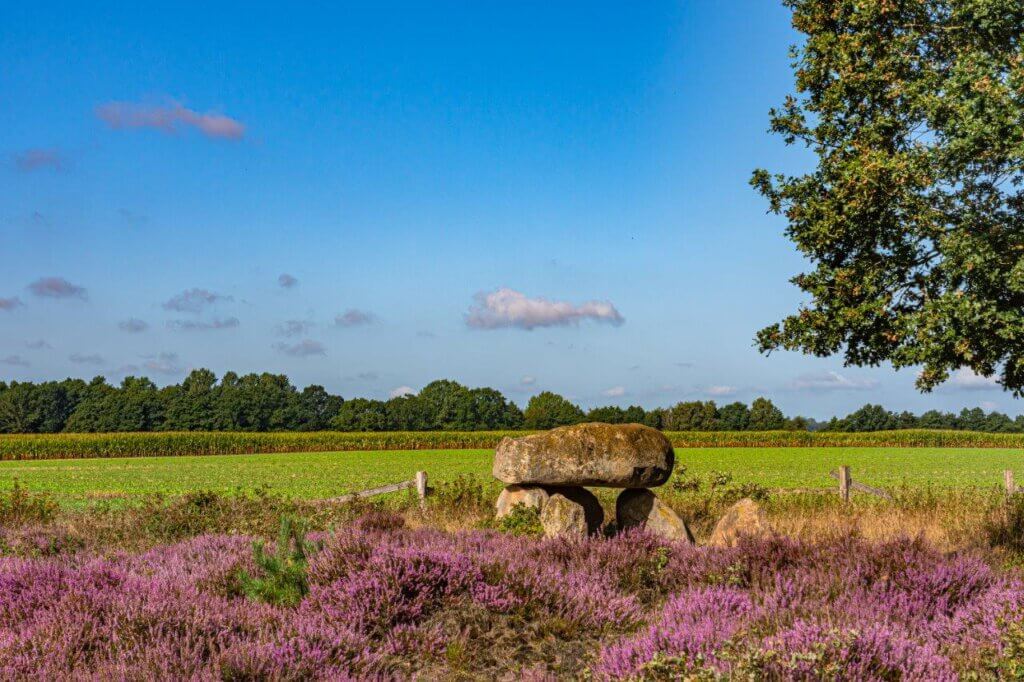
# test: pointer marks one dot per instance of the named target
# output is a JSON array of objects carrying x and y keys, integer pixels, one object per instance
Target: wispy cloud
[
  {"x": 38, "y": 159},
  {"x": 200, "y": 326},
  {"x": 287, "y": 281},
  {"x": 302, "y": 349},
  {"x": 132, "y": 218},
  {"x": 831, "y": 381},
  {"x": 966, "y": 380},
  {"x": 163, "y": 363},
  {"x": 38, "y": 344},
  {"x": 193, "y": 300},
  {"x": 169, "y": 118},
  {"x": 15, "y": 361},
  {"x": 10, "y": 303},
  {"x": 720, "y": 391},
  {"x": 614, "y": 392},
  {"x": 528, "y": 381},
  {"x": 57, "y": 287},
  {"x": 82, "y": 359},
  {"x": 133, "y": 325},
  {"x": 354, "y": 318},
  {"x": 426, "y": 335},
  {"x": 293, "y": 328},
  {"x": 38, "y": 221},
  {"x": 510, "y": 308},
  {"x": 401, "y": 391}
]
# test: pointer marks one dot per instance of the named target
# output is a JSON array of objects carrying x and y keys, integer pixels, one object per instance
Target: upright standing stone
[
  {"x": 528, "y": 496},
  {"x": 563, "y": 517},
  {"x": 639, "y": 507},
  {"x": 743, "y": 519},
  {"x": 609, "y": 455},
  {"x": 592, "y": 511}
]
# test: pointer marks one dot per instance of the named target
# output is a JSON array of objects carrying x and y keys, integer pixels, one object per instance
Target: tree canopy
[
  {"x": 913, "y": 218},
  {"x": 269, "y": 402}
]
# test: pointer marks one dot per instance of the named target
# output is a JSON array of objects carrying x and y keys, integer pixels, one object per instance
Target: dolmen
[{"x": 550, "y": 471}]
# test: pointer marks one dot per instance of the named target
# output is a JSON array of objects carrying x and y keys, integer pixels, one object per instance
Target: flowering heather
[{"x": 385, "y": 601}]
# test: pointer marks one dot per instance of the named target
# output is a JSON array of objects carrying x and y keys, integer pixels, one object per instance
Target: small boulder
[
  {"x": 639, "y": 507},
  {"x": 563, "y": 517},
  {"x": 529, "y": 496},
  {"x": 611, "y": 455},
  {"x": 592, "y": 510},
  {"x": 743, "y": 519}
]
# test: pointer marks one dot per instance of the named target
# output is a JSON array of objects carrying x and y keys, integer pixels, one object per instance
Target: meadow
[
  {"x": 314, "y": 475},
  {"x": 166, "y": 568}
]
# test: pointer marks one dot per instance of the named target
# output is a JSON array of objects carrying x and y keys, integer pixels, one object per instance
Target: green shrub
[
  {"x": 283, "y": 580},
  {"x": 18, "y": 506},
  {"x": 521, "y": 520}
]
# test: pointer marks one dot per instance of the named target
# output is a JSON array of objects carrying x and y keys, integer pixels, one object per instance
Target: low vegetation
[
  {"x": 177, "y": 444},
  {"x": 187, "y": 588},
  {"x": 317, "y": 475}
]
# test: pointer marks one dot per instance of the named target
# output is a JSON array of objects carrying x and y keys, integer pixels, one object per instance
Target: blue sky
[{"x": 523, "y": 195}]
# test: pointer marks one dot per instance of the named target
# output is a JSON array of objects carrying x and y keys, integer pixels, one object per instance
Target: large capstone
[{"x": 609, "y": 455}]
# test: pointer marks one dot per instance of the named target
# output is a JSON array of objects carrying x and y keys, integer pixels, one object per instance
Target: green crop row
[{"x": 84, "y": 445}]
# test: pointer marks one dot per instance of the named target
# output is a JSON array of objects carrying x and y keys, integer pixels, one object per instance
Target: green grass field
[{"x": 326, "y": 474}]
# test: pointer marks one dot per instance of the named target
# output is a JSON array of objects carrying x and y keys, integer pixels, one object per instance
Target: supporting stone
[
  {"x": 592, "y": 511},
  {"x": 529, "y": 496},
  {"x": 639, "y": 507},
  {"x": 561, "y": 517}
]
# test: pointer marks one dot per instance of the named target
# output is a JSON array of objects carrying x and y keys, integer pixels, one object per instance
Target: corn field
[{"x": 85, "y": 445}]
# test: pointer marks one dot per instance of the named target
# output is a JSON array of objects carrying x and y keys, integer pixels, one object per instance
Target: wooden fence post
[
  {"x": 844, "y": 483},
  {"x": 1008, "y": 482},
  {"x": 421, "y": 487}
]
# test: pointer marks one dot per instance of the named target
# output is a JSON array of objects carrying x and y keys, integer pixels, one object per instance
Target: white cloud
[
  {"x": 36, "y": 159},
  {"x": 79, "y": 358},
  {"x": 133, "y": 325},
  {"x": 169, "y": 118},
  {"x": 720, "y": 390},
  {"x": 614, "y": 392},
  {"x": 57, "y": 287},
  {"x": 988, "y": 405},
  {"x": 10, "y": 303},
  {"x": 528, "y": 381},
  {"x": 354, "y": 318},
  {"x": 965, "y": 379},
  {"x": 402, "y": 390},
  {"x": 38, "y": 344},
  {"x": 831, "y": 381},
  {"x": 302, "y": 349},
  {"x": 193, "y": 300},
  {"x": 293, "y": 328},
  {"x": 197, "y": 326},
  {"x": 509, "y": 308},
  {"x": 163, "y": 363}
]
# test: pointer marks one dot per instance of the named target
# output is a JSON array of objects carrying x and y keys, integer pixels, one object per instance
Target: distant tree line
[{"x": 269, "y": 402}]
